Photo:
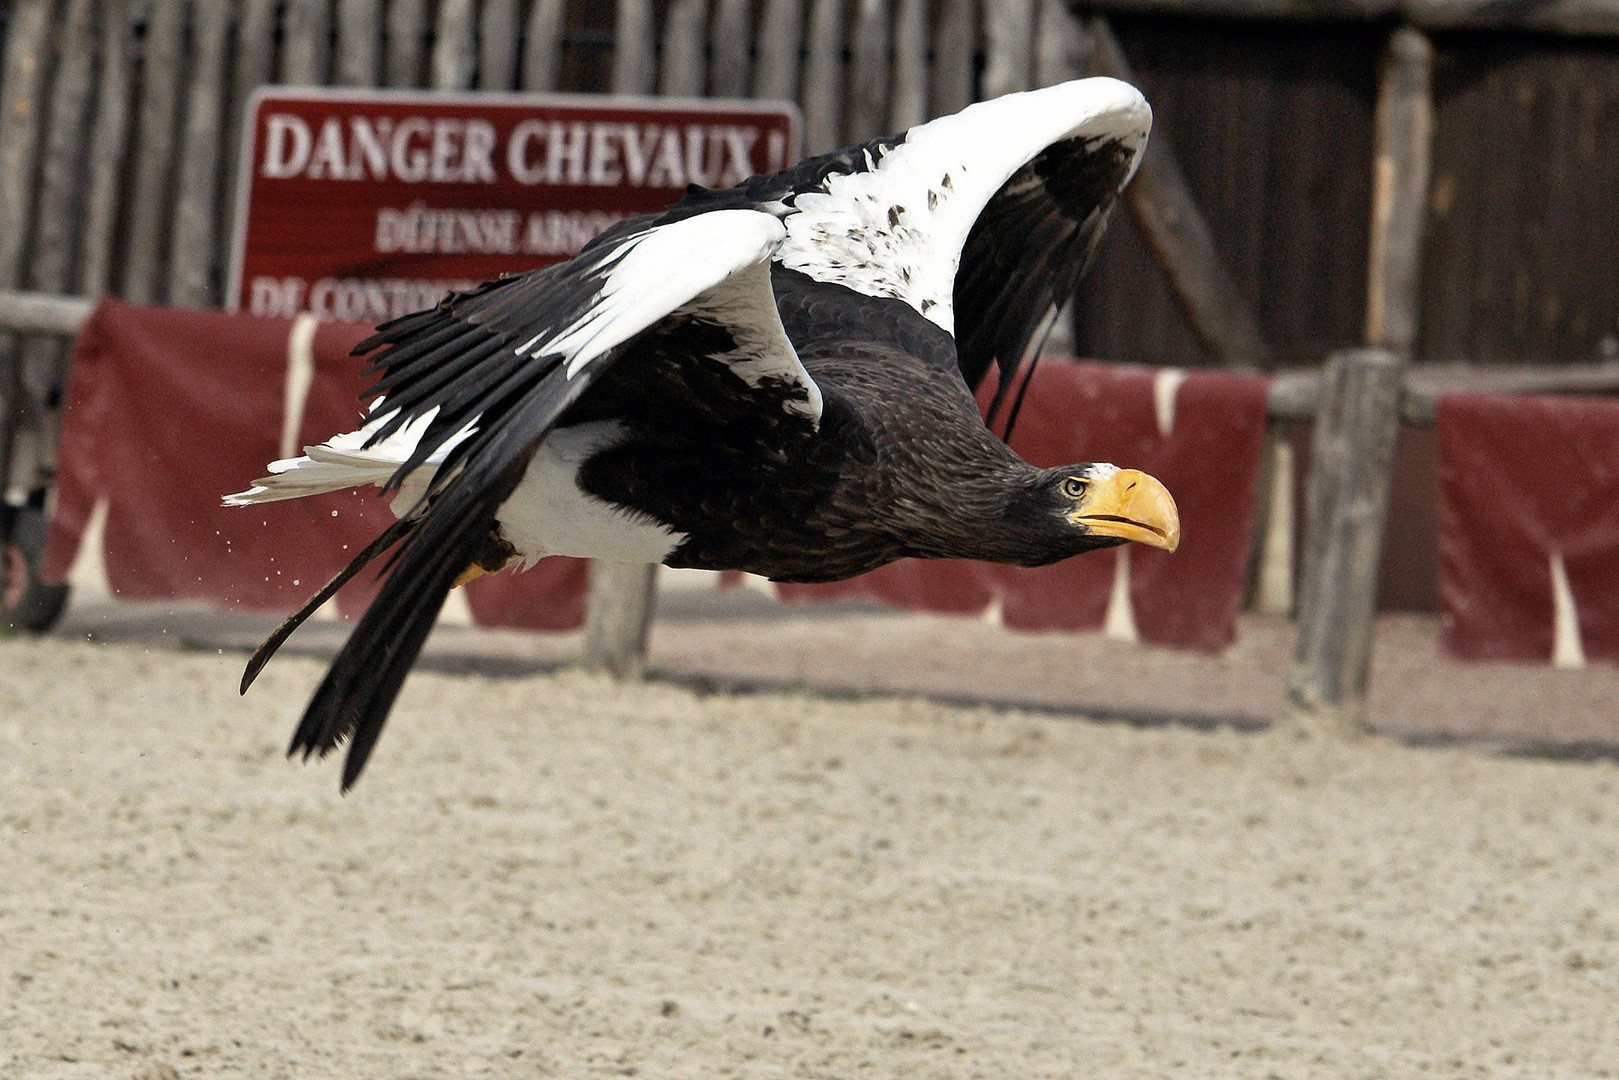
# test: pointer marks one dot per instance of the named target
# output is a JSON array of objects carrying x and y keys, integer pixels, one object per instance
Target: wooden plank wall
[
  {"x": 1273, "y": 130},
  {"x": 1271, "y": 124},
  {"x": 1522, "y": 261}
]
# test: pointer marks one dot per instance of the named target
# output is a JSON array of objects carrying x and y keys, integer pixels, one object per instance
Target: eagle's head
[{"x": 1083, "y": 507}]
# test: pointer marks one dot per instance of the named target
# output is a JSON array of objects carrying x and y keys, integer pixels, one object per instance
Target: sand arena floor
[{"x": 546, "y": 875}]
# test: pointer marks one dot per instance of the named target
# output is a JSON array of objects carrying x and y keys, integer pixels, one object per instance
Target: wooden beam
[
  {"x": 1062, "y": 48},
  {"x": 194, "y": 235},
  {"x": 1179, "y": 237},
  {"x": 954, "y": 43},
  {"x": 253, "y": 61},
  {"x": 42, "y": 360},
  {"x": 43, "y": 313},
  {"x": 21, "y": 96},
  {"x": 682, "y": 72},
  {"x": 1008, "y": 46},
  {"x": 109, "y": 141},
  {"x": 869, "y": 72},
  {"x": 359, "y": 42},
  {"x": 1350, "y": 476},
  {"x": 1401, "y": 165},
  {"x": 823, "y": 78},
  {"x": 153, "y": 194},
  {"x": 542, "y": 44},
  {"x": 62, "y": 165},
  {"x": 1571, "y": 17},
  {"x": 908, "y": 105},
  {"x": 618, "y": 617},
  {"x": 634, "y": 71},
  {"x": 497, "y": 45},
  {"x": 732, "y": 37},
  {"x": 407, "y": 43},
  {"x": 1296, "y": 395},
  {"x": 781, "y": 35},
  {"x": 306, "y": 28},
  {"x": 455, "y": 51}
]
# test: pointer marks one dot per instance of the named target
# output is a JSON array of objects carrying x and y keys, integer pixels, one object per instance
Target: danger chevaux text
[{"x": 364, "y": 207}]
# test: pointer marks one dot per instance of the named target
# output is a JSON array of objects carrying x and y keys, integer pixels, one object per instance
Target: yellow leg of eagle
[{"x": 496, "y": 554}]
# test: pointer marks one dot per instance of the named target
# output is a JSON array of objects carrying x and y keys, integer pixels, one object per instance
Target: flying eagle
[{"x": 776, "y": 378}]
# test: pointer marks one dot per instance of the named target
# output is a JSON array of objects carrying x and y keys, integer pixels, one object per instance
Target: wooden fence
[{"x": 120, "y": 126}]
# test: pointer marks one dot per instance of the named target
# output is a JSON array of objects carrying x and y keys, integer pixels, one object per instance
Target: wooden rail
[{"x": 1577, "y": 17}]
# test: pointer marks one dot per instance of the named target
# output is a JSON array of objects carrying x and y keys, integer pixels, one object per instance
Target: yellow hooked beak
[{"x": 1132, "y": 506}]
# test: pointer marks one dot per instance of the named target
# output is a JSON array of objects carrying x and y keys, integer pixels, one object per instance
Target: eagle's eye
[{"x": 1073, "y": 487}]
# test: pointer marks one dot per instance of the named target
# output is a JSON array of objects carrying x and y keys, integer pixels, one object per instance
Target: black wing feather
[
  {"x": 1028, "y": 250},
  {"x": 353, "y": 701}
]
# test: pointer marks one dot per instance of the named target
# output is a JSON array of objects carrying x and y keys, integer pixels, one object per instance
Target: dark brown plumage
[{"x": 776, "y": 378}]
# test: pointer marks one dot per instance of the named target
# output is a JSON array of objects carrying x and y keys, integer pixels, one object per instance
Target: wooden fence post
[
  {"x": 618, "y": 616},
  {"x": 732, "y": 37},
  {"x": 618, "y": 610},
  {"x": 21, "y": 91},
  {"x": 869, "y": 72},
  {"x": 823, "y": 78},
  {"x": 633, "y": 70},
  {"x": 1350, "y": 475},
  {"x": 781, "y": 35},
  {"x": 1400, "y": 191},
  {"x": 542, "y": 44},
  {"x": 682, "y": 72}
]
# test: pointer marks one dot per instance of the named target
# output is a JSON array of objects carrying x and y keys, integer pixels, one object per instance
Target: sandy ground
[{"x": 544, "y": 875}]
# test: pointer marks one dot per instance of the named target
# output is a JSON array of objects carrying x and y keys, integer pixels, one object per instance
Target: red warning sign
[{"x": 364, "y": 205}]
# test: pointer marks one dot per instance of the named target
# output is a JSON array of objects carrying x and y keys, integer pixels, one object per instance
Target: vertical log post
[
  {"x": 56, "y": 218},
  {"x": 359, "y": 43},
  {"x": 618, "y": 611},
  {"x": 1400, "y": 191},
  {"x": 618, "y": 617},
  {"x": 407, "y": 42},
  {"x": 196, "y": 209},
  {"x": 1350, "y": 476},
  {"x": 908, "y": 104},
  {"x": 455, "y": 46},
  {"x": 542, "y": 44},
  {"x": 954, "y": 43},
  {"x": 497, "y": 45},
  {"x": 732, "y": 35},
  {"x": 153, "y": 184},
  {"x": 823, "y": 78},
  {"x": 682, "y": 72},
  {"x": 21, "y": 90},
  {"x": 781, "y": 35},
  {"x": 633, "y": 65},
  {"x": 869, "y": 72}
]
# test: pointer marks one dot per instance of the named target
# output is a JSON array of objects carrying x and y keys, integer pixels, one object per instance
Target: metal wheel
[{"x": 27, "y": 603}]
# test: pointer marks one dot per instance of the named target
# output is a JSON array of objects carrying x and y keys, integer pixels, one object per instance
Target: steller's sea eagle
[{"x": 776, "y": 378}]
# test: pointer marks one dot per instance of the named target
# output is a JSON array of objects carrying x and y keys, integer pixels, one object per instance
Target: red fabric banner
[
  {"x": 1527, "y": 484},
  {"x": 168, "y": 410},
  {"x": 1208, "y": 457}
]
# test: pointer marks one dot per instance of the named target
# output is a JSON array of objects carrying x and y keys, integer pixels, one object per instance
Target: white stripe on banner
[
  {"x": 1120, "y": 624},
  {"x": 1166, "y": 384},
  {"x": 88, "y": 574},
  {"x": 300, "y": 375},
  {"x": 1568, "y": 650},
  {"x": 457, "y": 610}
]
